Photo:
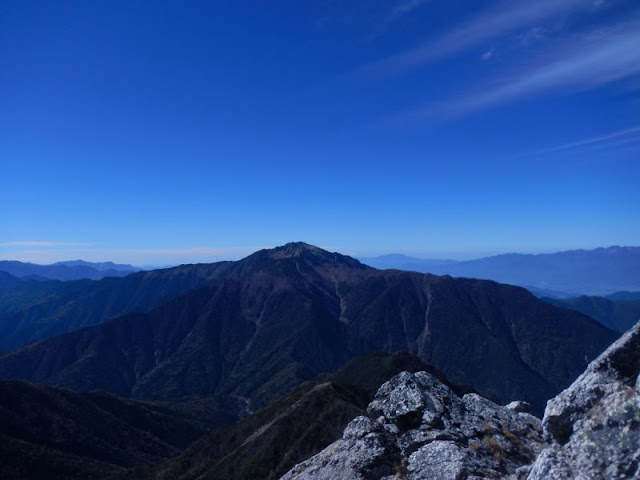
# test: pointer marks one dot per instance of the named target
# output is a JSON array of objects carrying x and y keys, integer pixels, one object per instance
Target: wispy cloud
[
  {"x": 391, "y": 15},
  {"x": 596, "y": 63},
  {"x": 619, "y": 137},
  {"x": 511, "y": 16},
  {"x": 406, "y": 7},
  {"x": 532, "y": 35},
  {"x": 487, "y": 55},
  {"x": 38, "y": 243},
  {"x": 372, "y": 18}
]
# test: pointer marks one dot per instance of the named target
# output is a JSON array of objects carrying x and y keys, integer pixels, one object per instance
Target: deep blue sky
[{"x": 159, "y": 132}]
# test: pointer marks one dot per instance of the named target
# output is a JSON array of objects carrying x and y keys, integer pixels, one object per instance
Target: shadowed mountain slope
[
  {"x": 57, "y": 434},
  {"x": 617, "y": 315},
  {"x": 281, "y": 316},
  {"x": 268, "y": 443},
  {"x": 6, "y": 279},
  {"x": 32, "y": 310}
]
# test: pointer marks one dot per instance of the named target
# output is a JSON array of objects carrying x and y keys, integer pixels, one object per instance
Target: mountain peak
[
  {"x": 295, "y": 249},
  {"x": 308, "y": 253}
]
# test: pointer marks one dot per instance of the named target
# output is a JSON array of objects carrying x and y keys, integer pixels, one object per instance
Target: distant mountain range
[
  {"x": 624, "y": 296},
  {"x": 601, "y": 271},
  {"x": 70, "y": 270},
  {"x": 247, "y": 332},
  {"x": 598, "y": 272},
  {"x": 405, "y": 262},
  {"x": 619, "y": 315},
  {"x": 36, "y": 310}
]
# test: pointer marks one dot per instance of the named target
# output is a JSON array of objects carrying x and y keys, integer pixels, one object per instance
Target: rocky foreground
[{"x": 418, "y": 428}]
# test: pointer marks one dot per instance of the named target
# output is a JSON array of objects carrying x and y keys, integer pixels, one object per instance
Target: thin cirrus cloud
[
  {"x": 393, "y": 14},
  {"x": 595, "y": 64},
  {"x": 508, "y": 18},
  {"x": 406, "y": 7},
  {"x": 619, "y": 137},
  {"x": 38, "y": 243}
]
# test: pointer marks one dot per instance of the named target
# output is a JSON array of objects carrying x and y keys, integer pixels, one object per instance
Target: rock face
[
  {"x": 421, "y": 429},
  {"x": 593, "y": 427}
]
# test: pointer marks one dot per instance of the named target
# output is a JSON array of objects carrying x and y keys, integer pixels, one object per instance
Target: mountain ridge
[
  {"x": 67, "y": 270},
  {"x": 619, "y": 315},
  {"x": 281, "y": 316},
  {"x": 53, "y": 433},
  {"x": 36, "y": 310},
  {"x": 599, "y": 271},
  {"x": 266, "y": 444},
  {"x": 100, "y": 266}
]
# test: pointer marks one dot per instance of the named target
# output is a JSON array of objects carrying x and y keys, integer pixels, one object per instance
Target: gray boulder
[
  {"x": 419, "y": 428},
  {"x": 592, "y": 428}
]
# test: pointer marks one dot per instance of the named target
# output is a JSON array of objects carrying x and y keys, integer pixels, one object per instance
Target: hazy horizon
[{"x": 204, "y": 255}]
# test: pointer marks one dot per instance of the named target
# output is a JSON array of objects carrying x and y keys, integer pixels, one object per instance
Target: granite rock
[{"x": 419, "y": 428}]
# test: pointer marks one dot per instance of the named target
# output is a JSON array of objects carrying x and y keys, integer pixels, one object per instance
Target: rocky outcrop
[
  {"x": 419, "y": 428},
  {"x": 593, "y": 427}
]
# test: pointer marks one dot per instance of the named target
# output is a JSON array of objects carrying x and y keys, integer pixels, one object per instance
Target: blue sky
[{"x": 161, "y": 132}]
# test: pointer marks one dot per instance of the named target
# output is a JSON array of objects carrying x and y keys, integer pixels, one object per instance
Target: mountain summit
[
  {"x": 296, "y": 249},
  {"x": 310, "y": 254}
]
